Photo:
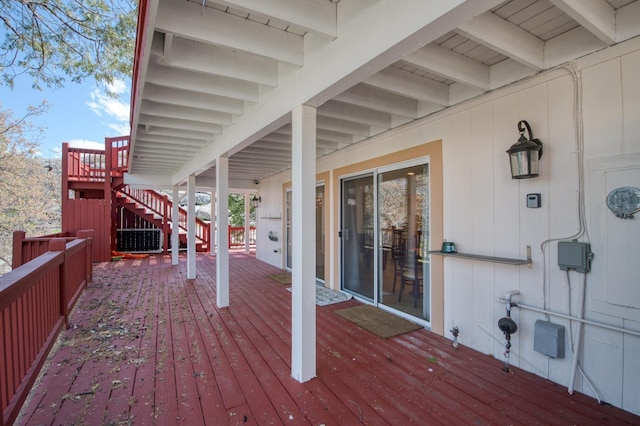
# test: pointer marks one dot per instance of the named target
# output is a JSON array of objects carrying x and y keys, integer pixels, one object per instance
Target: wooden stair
[{"x": 148, "y": 214}]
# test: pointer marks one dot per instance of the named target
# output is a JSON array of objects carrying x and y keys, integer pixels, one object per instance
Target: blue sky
[{"x": 80, "y": 114}]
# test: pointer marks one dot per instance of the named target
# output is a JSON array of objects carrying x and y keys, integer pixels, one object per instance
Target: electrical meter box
[{"x": 573, "y": 255}]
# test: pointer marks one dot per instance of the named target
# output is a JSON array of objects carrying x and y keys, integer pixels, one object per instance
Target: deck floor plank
[{"x": 183, "y": 360}]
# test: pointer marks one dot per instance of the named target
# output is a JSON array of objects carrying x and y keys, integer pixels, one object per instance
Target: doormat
[
  {"x": 284, "y": 278},
  {"x": 326, "y": 296},
  {"x": 377, "y": 321}
]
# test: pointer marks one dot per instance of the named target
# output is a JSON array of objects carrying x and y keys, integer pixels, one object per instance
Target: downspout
[{"x": 576, "y": 350}]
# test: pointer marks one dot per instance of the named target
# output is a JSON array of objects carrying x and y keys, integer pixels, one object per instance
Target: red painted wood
[{"x": 206, "y": 365}]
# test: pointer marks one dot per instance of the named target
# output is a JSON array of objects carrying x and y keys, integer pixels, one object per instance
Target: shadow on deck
[{"x": 147, "y": 346}]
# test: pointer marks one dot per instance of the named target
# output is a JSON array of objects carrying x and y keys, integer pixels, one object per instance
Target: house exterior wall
[{"x": 484, "y": 212}]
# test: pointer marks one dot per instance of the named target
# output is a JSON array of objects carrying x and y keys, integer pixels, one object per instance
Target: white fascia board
[
  {"x": 506, "y": 38},
  {"x": 138, "y": 85},
  {"x": 190, "y": 20},
  {"x": 410, "y": 85},
  {"x": 197, "y": 82},
  {"x": 187, "y": 113},
  {"x": 175, "y": 123},
  {"x": 192, "y": 99},
  {"x": 450, "y": 65},
  {"x": 597, "y": 16},
  {"x": 205, "y": 58},
  {"x": 318, "y": 16},
  {"x": 380, "y": 35}
]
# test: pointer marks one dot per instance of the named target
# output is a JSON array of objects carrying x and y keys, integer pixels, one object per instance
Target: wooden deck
[{"x": 148, "y": 346}]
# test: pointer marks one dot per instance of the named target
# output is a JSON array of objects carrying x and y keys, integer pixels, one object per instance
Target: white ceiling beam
[
  {"x": 506, "y": 38},
  {"x": 205, "y": 58},
  {"x": 356, "y": 114},
  {"x": 269, "y": 146},
  {"x": 150, "y": 179},
  {"x": 372, "y": 97},
  {"x": 156, "y": 142},
  {"x": 319, "y": 16},
  {"x": 342, "y": 126},
  {"x": 187, "y": 113},
  {"x": 174, "y": 123},
  {"x": 167, "y": 146},
  {"x": 167, "y": 95},
  {"x": 148, "y": 155},
  {"x": 165, "y": 131},
  {"x": 410, "y": 85},
  {"x": 262, "y": 152},
  {"x": 338, "y": 137},
  {"x": 628, "y": 21},
  {"x": 597, "y": 16},
  {"x": 450, "y": 65},
  {"x": 198, "y": 82},
  {"x": 208, "y": 25},
  {"x": 168, "y": 46}
]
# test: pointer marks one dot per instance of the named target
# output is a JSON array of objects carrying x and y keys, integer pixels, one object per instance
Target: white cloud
[
  {"x": 112, "y": 109},
  {"x": 86, "y": 144}
]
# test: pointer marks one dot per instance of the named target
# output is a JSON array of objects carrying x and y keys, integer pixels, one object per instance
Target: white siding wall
[{"x": 485, "y": 212}]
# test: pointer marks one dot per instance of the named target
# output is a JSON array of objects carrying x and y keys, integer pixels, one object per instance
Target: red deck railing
[
  {"x": 237, "y": 237},
  {"x": 35, "y": 300},
  {"x": 88, "y": 165},
  {"x": 163, "y": 207}
]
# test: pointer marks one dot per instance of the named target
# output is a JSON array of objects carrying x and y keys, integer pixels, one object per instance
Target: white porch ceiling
[{"x": 220, "y": 78}]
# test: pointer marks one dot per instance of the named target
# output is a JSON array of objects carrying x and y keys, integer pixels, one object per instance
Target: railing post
[
  {"x": 165, "y": 224},
  {"x": 84, "y": 235},
  {"x": 18, "y": 238},
  {"x": 60, "y": 244},
  {"x": 90, "y": 240}
]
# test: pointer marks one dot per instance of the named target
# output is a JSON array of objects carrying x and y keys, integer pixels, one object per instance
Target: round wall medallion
[{"x": 624, "y": 201}]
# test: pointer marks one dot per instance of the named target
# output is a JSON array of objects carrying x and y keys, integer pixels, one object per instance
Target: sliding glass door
[
  {"x": 385, "y": 238},
  {"x": 403, "y": 217},
  {"x": 356, "y": 236}
]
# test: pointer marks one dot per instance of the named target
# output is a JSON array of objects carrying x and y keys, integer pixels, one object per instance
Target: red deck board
[{"x": 184, "y": 360}]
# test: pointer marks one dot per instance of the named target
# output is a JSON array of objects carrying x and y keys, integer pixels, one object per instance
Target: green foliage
[
  {"x": 236, "y": 210},
  {"x": 51, "y": 39},
  {"x": 29, "y": 189}
]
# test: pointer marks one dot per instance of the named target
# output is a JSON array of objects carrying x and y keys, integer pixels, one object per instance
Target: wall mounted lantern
[
  {"x": 255, "y": 201},
  {"x": 525, "y": 154}
]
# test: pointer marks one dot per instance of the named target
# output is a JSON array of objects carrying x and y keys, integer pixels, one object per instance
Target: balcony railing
[{"x": 35, "y": 300}]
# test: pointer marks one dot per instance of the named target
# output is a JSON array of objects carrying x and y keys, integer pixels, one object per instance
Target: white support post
[
  {"x": 175, "y": 226},
  {"x": 303, "y": 309},
  {"x": 191, "y": 227},
  {"x": 222, "y": 222},
  {"x": 212, "y": 224},
  {"x": 247, "y": 225}
]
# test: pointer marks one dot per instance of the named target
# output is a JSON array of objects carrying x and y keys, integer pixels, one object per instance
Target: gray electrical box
[
  {"x": 574, "y": 255},
  {"x": 548, "y": 339}
]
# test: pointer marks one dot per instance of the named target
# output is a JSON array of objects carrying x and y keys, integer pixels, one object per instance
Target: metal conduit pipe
[{"x": 597, "y": 324}]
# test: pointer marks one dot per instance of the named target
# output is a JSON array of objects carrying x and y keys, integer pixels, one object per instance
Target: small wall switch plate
[{"x": 534, "y": 201}]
